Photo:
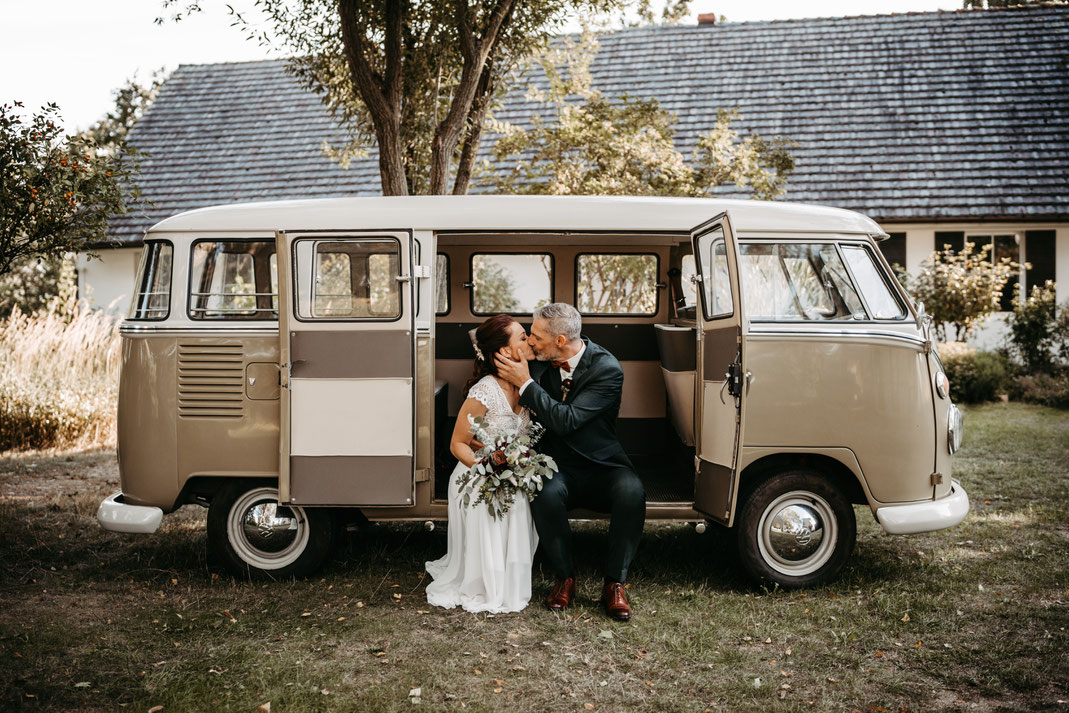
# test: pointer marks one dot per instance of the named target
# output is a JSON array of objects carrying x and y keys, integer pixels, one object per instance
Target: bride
[{"x": 487, "y": 564}]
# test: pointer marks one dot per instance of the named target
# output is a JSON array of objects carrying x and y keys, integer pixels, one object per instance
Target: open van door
[
  {"x": 721, "y": 369},
  {"x": 347, "y": 343}
]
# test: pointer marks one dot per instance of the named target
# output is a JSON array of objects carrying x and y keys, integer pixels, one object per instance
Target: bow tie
[{"x": 561, "y": 365}]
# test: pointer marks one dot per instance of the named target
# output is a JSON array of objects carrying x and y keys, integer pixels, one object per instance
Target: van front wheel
[
  {"x": 255, "y": 537},
  {"x": 796, "y": 529}
]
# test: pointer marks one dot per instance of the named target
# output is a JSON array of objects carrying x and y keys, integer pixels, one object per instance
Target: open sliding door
[
  {"x": 347, "y": 351},
  {"x": 721, "y": 369}
]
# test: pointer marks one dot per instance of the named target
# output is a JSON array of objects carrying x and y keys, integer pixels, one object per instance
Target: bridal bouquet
[{"x": 506, "y": 465}]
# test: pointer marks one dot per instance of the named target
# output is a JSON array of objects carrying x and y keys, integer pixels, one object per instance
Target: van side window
[
  {"x": 874, "y": 289},
  {"x": 233, "y": 279},
  {"x": 441, "y": 284},
  {"x": 616, "y": 283},
  {"x": 348, "y": 279},
  {"x": 513, "y": 283},
  {"x": 153, "y": 298},
  {"x": 796, "y": 281}
]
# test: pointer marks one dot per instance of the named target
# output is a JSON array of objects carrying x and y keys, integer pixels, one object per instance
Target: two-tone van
[{"x": 294, "y": 364}]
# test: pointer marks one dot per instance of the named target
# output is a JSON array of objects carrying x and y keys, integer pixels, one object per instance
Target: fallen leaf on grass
[
  {"x": 83, "y": 684},
  {"x": 498, "y": 689},
  {"x": 919, "y": 643},
  {"x": 906, "y": 617},
  {"x": 605, "y": 634},
  {"x": 397, "y": 596},
  {"x": 154, "y": 709},
  {"x": 307, "y": 613},
  {"x": 263, "y": 708},
  {"x": 341, "y": 618},
  {"x": 588, "y": 706}
]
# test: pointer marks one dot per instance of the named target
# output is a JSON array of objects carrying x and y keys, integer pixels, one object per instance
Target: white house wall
[{"x": 108, "y": 283}]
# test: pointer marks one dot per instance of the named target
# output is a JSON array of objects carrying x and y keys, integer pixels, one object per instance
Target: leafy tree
[
  {"x": 416, "y": 76},
  {"x": 32, "y": 283},
  {"x": 496, "y": 287},
  {"x": 626, "y": 147},
  {"x": 961, "y": 289},
  {"x": 1039, "y": 331},
  {"x": 57, "y": 191}
]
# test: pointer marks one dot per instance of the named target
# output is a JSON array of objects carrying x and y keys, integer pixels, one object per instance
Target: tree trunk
[{"x": 475, "y": 129}]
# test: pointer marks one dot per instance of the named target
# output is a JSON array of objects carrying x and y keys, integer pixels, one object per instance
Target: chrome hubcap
[
  {"x": 263, "y": 534},
  {"x": 797, "y": 533}
]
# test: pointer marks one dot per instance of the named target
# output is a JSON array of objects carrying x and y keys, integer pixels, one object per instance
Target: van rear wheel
[
  {"x": 797, "y": 530},
  {"x": 255, "y": 537}
]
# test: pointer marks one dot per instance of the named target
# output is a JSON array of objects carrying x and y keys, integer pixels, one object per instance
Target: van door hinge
[
  {"x": 937, "y": 478},
  {"x": 423, "y": 475}
]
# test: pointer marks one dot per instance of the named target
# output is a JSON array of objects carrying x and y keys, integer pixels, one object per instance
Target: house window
[
  {"x": 233, "y": 279},
  {"x": 1005, "y": 245},
  {"x": 510, "y": 283},
  {"x": 616, "y": 283},
  {"x": 1039, "y": 253},
  {"x": 894, "y": 249}
]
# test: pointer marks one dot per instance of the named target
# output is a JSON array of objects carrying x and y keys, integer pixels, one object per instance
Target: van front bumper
[
  {"x": 118, "y": 516},
  {"x": 927, "y": 516}
]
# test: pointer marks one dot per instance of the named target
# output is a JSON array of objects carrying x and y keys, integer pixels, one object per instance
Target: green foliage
[
  {"x": 1039, "y": 331},
  {"x": 1045, "y": 389},
  {"x": 32, "y": 284},
  {"x": 496, "y": 288},
  {"x": 975, "y": 376},
  {"x": 597, "y": 146},
  {"x": 57, "y": 191},
  {"x": 961, "y": 289}
]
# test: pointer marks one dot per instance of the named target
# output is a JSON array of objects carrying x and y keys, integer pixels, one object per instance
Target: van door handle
[{"x": 749, "y": 380}]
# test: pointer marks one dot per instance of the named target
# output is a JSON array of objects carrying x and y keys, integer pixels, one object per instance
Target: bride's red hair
[{"x": 490, "y": 336}]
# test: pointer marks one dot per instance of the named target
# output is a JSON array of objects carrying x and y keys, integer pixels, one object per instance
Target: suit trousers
[{"x": 616, "y": 490}]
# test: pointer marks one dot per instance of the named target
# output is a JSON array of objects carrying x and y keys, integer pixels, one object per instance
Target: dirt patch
[{"x": 35, "y": 475}]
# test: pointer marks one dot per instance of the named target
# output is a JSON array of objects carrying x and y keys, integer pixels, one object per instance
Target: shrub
[
  {"x": 961, "y": 288},
  {"x": 1039, "y": 331},
  {"x": 1044, "y": 389},
  {"x": 60, "y": 377},
  {"x": 974, "y": 375}
]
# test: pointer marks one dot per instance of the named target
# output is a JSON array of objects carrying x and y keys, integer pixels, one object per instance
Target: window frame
[
  {"x": 141, "y": 279},
  {"x": 189, "y": 281},
  {"x": 1019, "y": 238},
  {"x": 333, "y": 239},
  {"x": 471, "y": 281},
  {"x": 634, "y": 315}
]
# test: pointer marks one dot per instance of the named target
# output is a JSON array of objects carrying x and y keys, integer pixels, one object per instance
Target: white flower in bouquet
[{"x": 506, "y": 465}]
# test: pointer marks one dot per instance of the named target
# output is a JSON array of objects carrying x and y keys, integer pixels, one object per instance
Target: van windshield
[{"x": 797, "y": 281}]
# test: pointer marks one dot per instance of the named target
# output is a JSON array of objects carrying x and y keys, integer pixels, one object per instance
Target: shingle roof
[{"x": 920, "y": 116}]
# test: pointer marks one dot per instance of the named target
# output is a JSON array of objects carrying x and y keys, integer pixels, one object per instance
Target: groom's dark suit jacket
[{"x": 583, "y": 425}]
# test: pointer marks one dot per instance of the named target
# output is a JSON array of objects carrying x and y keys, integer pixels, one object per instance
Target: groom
[{"x": 574, "y": 390}]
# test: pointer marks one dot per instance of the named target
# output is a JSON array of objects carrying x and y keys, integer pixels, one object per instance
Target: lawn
[{"x": 971, "y": 618}]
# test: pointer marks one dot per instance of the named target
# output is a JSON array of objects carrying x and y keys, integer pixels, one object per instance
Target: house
[{"x": 942, "y": 126}]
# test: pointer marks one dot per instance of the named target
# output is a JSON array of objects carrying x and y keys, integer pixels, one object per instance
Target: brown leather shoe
[
  {"x": 614, "y": 600},
  {"x": 561, "y": 596}
]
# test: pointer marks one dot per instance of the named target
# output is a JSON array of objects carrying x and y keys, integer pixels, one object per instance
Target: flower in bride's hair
[{"x": 478, "y": 352}]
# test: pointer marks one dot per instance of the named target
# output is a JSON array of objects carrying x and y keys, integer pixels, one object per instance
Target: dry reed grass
[{"x": 59, "y": 378}]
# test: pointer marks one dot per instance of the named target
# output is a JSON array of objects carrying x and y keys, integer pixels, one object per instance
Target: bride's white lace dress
[{"x": 487, "y": 564}]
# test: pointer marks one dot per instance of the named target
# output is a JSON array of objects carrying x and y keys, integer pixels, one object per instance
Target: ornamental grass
[{"x": 59, "y": 378}]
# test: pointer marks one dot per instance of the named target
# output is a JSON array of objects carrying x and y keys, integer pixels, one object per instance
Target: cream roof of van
[{"x": 517, "y": 214}]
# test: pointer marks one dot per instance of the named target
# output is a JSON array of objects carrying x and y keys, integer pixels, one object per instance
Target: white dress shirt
[{"x": 572, "y": 363}]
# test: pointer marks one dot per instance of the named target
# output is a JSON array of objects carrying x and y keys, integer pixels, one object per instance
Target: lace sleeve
[{"x": 482, "y": 392}]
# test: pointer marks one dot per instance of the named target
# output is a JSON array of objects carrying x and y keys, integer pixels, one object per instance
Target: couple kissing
[{"x": 571, "y": 387}]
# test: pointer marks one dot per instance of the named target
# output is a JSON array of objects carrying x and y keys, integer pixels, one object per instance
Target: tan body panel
[{"x": 869, "y": 395}]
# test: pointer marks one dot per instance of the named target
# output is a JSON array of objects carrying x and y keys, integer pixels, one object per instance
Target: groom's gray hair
[{"x": 562, "y": 318}]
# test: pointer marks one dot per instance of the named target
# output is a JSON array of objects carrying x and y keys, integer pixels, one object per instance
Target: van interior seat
[{"x": 677, "y": 346}]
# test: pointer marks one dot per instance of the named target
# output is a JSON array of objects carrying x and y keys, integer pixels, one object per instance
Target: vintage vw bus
[{"x": 291, "y": 364}]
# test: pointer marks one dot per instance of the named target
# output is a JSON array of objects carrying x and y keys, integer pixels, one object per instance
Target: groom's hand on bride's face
[{"x": 515, "y": 372}]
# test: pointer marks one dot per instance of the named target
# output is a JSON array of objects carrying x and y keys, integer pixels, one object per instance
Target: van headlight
[{"x": 954, "y": 428}]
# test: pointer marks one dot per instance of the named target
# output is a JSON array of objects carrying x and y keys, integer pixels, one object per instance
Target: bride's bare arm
[{"x": 460, "y": 443}]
